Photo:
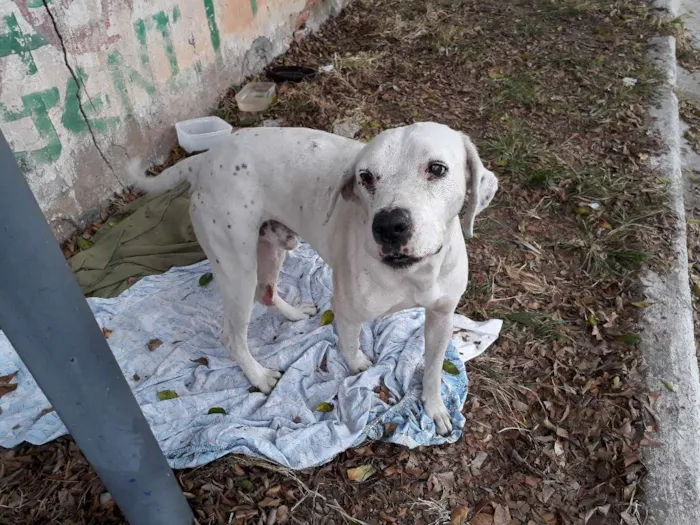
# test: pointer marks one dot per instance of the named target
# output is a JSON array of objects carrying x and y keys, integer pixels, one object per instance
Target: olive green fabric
[{"x": 155, "y": 236}]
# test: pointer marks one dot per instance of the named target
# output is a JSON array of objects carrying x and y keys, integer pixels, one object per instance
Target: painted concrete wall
[{"x": 85, "y": 84}]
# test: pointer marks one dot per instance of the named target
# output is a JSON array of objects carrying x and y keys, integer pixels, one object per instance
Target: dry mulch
[{"x": 555, "y": 94}]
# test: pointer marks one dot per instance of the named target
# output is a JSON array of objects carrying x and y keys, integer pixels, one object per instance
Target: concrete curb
[{"x": 672, "y": 485}]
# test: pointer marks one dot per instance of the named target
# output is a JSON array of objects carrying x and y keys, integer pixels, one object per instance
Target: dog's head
[{"x": 412, "y": 182}]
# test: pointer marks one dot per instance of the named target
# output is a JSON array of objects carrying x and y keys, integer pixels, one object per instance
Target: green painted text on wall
[
  {"x": 121, "y": 72},
  {"x": 73, "y": 119},
  {"x": 213, "y": 27},
  {"x": 15, "y": 42},
  {"x": 36, "y": 106},
  {"x": 162, "y": 25}
]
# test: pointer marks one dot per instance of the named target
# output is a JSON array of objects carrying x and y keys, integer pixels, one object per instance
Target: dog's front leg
[
  {"x": 438, "y": 332},
  {"x": 349, "y": 342}
]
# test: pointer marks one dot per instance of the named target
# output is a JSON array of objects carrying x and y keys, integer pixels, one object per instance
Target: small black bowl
[{"x": 290, "y": 73}]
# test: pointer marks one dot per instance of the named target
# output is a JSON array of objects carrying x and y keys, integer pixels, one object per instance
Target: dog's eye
[
  {"x": 367, "y": 178},
  {"x": 437, "y": 170}
]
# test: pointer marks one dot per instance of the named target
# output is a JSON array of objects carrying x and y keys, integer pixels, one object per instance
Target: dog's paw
[
  {"x": 436, "y": 411},
  {"x": 359, "y": 364},
  {"x": 265, "y": 379},
  {"x": 309, "y": 309},
  {"x": 296, "y": 313}
]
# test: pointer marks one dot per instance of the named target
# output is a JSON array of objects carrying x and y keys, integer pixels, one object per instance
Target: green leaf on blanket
[
  {"x": 84, "y": 244},
  {"x": 450, "y": 368},
  {"x": 324, "y": 407},
  {"x": 327, "y": 317},
  {"x": 216, "y": 410},
  {"x": 206, "y": 279},
  {"x": 164, "y": 395}
]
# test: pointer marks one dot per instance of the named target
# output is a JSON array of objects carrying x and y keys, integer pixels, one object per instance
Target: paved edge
[{"x": 672, "y": 485}]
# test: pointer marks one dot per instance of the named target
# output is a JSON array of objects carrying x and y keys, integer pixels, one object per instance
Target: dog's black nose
[{"x": 392, "y": 227}]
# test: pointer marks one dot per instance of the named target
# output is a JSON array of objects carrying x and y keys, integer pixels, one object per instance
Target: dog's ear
[
  {"x": 345, "y": 188},
  {"x": 482, "y": 185}
]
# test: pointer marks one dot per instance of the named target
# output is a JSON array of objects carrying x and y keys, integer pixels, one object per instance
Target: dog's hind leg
[
  {"x": 233, "y": 263},
  {"x": 270, "y": 258}
]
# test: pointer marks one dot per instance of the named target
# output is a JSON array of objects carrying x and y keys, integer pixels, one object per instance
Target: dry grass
[{"x": 556, "y": 413}]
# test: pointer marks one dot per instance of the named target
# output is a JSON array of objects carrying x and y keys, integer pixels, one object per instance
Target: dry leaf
[
  {"x": 481, "y": 519},
  {"x": 501, "y": 515},
  {"x": 270, "y": 502},
  {"x": 459, "y": 515},
  {"x": 6, "y": 379},
  {"x": 107, "y": 332},
  {"x": 201, "y": 361},
  {"x": 6, "y": 389},
  {"x": 273, "y": 491},
  {"x": 389, "y": 429},
  {"x": 361, "y": 473},
  {"x": 558, "y": 448},
  {"x": 391, "y": 470},
  {"x": 154, "y": 343}
]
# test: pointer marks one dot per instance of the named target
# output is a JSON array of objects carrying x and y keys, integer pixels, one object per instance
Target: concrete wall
[{"x": 85, "y": 84}]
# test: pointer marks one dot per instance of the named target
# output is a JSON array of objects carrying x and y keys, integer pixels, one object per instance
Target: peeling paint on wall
[{"x": 84, "y": 85}]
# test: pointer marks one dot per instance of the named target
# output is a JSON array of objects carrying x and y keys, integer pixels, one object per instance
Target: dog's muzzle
[{"x": 392, "y": 229}]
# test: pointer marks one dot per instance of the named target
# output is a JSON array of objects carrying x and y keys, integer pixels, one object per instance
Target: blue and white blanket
[{"x": 382, "y": 403}]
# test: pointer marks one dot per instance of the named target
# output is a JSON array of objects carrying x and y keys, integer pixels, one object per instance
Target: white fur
[{"x": 309, "y": 181}]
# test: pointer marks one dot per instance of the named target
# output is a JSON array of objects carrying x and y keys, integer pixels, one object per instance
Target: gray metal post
[{"x": 45, "y": 316}]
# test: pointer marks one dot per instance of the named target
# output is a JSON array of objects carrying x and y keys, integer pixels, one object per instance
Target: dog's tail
[{"x": 167, "y": 180}]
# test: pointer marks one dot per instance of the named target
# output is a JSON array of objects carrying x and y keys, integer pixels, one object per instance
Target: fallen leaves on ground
[
  {"x": 201, "y": 361},
  {"x": 327, "y": 317},
  {"x": 153, "y": 344},
  {"x": 324, "y": 406},
  {"x": 538, "y": 85},
  {"x": 5, "y": 386},
  {"x": 205, "y": 279},
  {"x": 361, "y": 473},
  {"x": 164, "y": 395}
]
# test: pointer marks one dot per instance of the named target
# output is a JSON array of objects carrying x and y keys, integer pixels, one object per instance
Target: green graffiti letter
[
  {"x": 14, "y": 42},
  {"x": 121, "y": 73},
  {"x": 73, "y": 119},
  {"x": 213, "y": 28},
  {"x": 36, "y": 106}
]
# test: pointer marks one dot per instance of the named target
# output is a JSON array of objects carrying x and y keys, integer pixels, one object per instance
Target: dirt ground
[{"x": 554, "y": 93}]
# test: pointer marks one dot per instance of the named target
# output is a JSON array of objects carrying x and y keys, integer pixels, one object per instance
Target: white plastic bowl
[{"x": 201, "y": 134}]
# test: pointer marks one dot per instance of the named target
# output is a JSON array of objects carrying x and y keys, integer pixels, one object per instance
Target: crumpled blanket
[{"x": 164, "y": 332}]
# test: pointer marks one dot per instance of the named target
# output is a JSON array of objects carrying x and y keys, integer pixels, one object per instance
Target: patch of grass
[
  {"x": 516, "y": 151},
  {"x": 544, "y": 326},
  {"x": 686, "y": 53},
  {"x": 520, "y": 89},
  {"x": 690, "y": 113}
]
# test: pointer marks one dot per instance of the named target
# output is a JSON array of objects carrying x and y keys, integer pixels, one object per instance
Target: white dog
[{"x": 393, "y": 238}]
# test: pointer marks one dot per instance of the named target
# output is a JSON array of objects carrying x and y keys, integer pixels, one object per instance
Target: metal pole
[{"x": 46, "y": 318}]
